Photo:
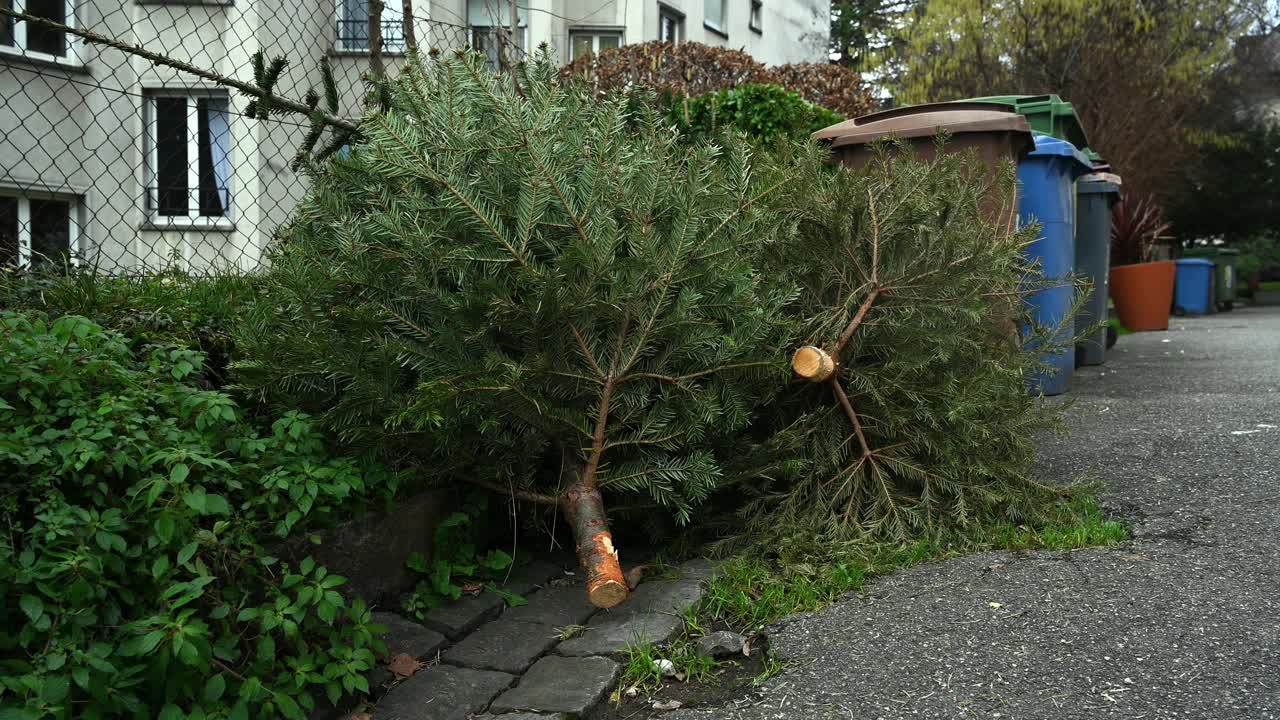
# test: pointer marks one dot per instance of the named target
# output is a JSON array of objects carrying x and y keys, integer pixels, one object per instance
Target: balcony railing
[{"x": 354, "y": 35}]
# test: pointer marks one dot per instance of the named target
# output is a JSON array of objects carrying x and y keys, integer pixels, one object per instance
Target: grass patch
[
  {"x": 1269, "y": 285},
  {"x": 750, "y": 592},
  {"x": 643, "y": 669}
]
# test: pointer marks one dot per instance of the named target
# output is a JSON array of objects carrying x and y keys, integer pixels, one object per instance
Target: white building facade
[{"x": 110, "y": 161}]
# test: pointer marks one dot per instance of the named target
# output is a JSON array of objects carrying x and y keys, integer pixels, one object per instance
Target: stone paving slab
[
  {"x": 651, "y": 614},
  {"x": 536, "y": 574},
  {"x": 668, "y": 596},
  {"x": 560, "y": 684},
  {"x": 503, "y": 645},
  {"x": 464, "y": 615},
  {"x": 556, "y": 607},
  {"x": 405, "y": 636},
  {"x": 442, "y": 692},
  {"x": 616, "y": 632}
]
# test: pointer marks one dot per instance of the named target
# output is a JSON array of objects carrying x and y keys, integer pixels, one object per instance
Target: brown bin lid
[{"x": 924, "y": 120}]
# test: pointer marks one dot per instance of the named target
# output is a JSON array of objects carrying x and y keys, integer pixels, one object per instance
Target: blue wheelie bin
[
  {"x": 1048, "y": 176},
  {"x": 1193, "y": 286}
]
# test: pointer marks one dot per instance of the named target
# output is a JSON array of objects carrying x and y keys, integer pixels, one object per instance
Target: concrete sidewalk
[{"x": 1183, "y": 430}]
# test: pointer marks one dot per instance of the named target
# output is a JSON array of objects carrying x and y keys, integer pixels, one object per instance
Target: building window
[
  {"x": 189, "y": 158},
  {"x": 589, "y": 42},
  {"x": 713, "y": 16},
  {"x": 37, "y": 41},
  {"x": 490, "y": 21},
  {"x": 353, "y": 26},
  {"x": 670, "y": 25},
  {"x": 38, "y": 230},
  {"x": 757, "y": 15}
]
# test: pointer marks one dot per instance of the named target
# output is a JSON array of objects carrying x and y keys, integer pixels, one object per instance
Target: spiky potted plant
[{"x": 1141, "y": 285}]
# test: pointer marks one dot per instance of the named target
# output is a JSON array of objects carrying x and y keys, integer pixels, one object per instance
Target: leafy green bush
[
  {"x": 170, "y": 307},
  {"x": 132, "y": 578},
  {"x": 763, "y": 112},
  {"x": 457, "y": 561}
]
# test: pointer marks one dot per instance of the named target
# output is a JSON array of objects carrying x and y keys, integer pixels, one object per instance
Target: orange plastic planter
[{"x": 1143, "y": 294}]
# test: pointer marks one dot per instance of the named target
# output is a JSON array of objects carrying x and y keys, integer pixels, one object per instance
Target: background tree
[
  {"x": 868, "y": 36},
  {"x": 1137, "y": 72}
]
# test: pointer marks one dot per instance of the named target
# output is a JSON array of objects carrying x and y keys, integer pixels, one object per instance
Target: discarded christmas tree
[
  {"x": 909, "y": 414},
  {"x": 526, "y": 288}
]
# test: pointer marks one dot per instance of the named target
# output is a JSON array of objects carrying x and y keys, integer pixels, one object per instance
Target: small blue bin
[
  {"x": 1193, "y": 286},
  {"x": 1048, "y": 196}
]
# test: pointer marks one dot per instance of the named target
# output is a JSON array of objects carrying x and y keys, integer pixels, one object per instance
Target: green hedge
[
  {"x": 761, "y": 111},
  {"x": 132, "y": 577}
]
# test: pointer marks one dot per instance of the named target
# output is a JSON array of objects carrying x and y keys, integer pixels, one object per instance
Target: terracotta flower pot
[{"x": 1143, "y": 294}]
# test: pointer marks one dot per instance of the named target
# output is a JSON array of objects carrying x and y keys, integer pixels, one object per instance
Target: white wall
[{"x": 79, "y": 130}]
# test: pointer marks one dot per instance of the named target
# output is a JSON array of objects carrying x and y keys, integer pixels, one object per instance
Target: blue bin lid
[
  {"x": 1194, "y": 261},
  {"x": 1047, "y": 145}
]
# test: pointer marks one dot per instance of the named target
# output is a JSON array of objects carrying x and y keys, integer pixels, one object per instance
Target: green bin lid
[{"x": 1056, "y": 116}]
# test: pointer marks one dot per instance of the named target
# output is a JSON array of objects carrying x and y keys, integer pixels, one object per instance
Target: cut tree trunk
[
  {"x": 813, "y": 363},
  {"x": 584, "y": 509}
]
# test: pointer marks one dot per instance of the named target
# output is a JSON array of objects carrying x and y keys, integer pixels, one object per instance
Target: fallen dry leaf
[
  {"x": 636, "y": 575},
  {"x": 996, "y": 604},
  {"x": 667, "y": 705},
  {"x": 472, "y": 588},
  {"x": 403, "y": 666}
]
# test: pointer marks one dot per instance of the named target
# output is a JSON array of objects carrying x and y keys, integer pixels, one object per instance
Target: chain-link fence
[{"x": 110, "y": 161}]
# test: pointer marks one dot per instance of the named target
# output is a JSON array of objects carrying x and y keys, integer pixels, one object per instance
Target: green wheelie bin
[
  {"x": 1225, "y": 277},
  {"x": 1048, "y": 114}
]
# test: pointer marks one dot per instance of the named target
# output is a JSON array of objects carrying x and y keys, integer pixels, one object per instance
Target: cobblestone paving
[{"x": 485, "y": 661}]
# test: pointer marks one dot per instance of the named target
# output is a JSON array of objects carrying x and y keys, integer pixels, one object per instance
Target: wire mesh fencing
[{"x": 125, "y": 166}]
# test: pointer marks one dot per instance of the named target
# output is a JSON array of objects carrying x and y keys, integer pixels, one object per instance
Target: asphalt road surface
[{"x": 1183, "y": 430}]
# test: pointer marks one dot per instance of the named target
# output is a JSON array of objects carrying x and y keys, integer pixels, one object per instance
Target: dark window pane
[
  {"x": 8, "y": 231},
  {"x": 353, "y": 25},
  {"x": 41, "y": 39},
  {"x": 212, "y": 140},
  {"x": 487, "y": 42},
  {"x": 171, "y": 155},
  {"x": 6, "y": 24},
  {"x": 50, "y": 232}
]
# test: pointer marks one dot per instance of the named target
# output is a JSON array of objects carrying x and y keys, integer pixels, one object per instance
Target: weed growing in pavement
[
  {"x": 640, "y": 669},
  {"x": 772, "y": 666},
  {"x": 569, "y": 632}
]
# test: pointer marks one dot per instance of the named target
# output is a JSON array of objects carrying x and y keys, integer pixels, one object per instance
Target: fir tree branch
[
  {"x": 853, "y": 416},
  {"x": 875, "y": 238},
  {"x": 855, "y": 322},
  {"x": 642, "y": 441},
  {"x": 597, "y": 442},
  {"x": 526, "y": 495},
  {"x": 675, "y": 380},
  {"x": 423, "y": 171},
  {"x": 586, "y": 351},
  {"x": 157, "y": 59}
]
